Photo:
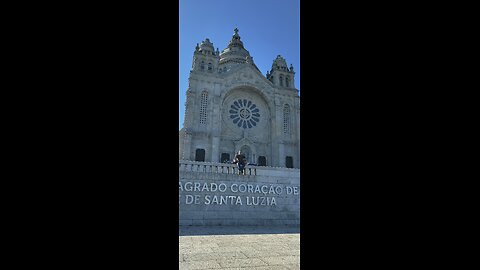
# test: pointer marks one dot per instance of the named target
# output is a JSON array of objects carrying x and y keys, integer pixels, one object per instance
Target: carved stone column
[
  {"x": 215, "y": 149},
  {"x": 187, "y": 143},
  {"x": 281, "y": 154}
]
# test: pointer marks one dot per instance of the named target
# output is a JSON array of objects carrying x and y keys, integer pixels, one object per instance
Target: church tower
[
  {"x": 280, "y": 75},
  {"x": 205, "y": 59},
  {"x": 230, "y": 106}
]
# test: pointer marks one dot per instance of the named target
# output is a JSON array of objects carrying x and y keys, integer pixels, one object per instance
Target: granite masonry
[
  {"x": 213, "y": 194},
  {"x": 231, "y": 106}
]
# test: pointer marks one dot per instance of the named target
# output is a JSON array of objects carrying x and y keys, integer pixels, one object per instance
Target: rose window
[{"x": 244, "y": 113}]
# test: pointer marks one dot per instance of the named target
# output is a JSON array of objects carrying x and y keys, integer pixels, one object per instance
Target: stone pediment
[
  {"x": 246, "y": 74},
  {"x": 244, "y": 141}
]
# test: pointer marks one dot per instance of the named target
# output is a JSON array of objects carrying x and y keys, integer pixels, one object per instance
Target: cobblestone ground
[{"x": 239, "y": 248}]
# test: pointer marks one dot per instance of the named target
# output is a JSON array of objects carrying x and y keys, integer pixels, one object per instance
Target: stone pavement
[{"x": 234, "y": 248}]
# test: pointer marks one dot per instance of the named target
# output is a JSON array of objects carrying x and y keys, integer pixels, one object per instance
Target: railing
[{"x": 211, "y": 167}]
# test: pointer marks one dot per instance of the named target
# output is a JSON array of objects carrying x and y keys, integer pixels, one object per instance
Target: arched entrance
[{"x": 248, "y": 149}]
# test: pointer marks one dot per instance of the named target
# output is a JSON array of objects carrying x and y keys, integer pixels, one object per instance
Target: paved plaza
[{"x": 233, "y": 248}]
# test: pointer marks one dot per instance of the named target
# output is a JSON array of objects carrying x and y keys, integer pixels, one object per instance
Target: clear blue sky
[{"x": 267, "y": 28}]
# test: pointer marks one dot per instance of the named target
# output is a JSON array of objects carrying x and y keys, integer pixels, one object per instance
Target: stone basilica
[{"x": 231, "y": 106}]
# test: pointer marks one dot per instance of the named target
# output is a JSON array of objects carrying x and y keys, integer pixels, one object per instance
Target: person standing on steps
[{"x": 240, "y": 161}]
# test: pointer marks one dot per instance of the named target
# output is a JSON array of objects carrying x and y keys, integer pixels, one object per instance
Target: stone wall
[{"x": 214, "y": 194}]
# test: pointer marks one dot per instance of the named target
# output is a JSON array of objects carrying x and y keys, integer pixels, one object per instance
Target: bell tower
[
  {"x": 280, "y": 75},
  {"x": 205, "y": 58}
]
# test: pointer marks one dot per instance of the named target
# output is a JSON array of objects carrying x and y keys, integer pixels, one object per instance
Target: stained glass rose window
[{"x": 244, "y": 113}]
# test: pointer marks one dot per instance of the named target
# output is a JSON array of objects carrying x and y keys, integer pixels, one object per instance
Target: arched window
[
  {"x": 225, "y": 157},
  {"x": 203, "y": 107},
  {"x": 210, "y": 67},
  {"x": 200, "y": 155},
  {"x": 202, "y": 65},
  {"x": 287, "y": 81},
  {"x": 286, "y": 119},
  {"x": 289, "y": 162},
  {"x": 262, "y": 161},
  {"x": 281, "y": 80}
]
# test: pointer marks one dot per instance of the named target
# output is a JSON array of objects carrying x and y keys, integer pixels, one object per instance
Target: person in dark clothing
[{"x": 241, "y": 162}]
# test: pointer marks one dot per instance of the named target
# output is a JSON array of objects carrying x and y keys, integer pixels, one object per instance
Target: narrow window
[
  {"x": 203, "y": 108},
  {"x": 202, "y": 65},
  {"x": 286, "y": 119},
  {"x": 287, "y": 81},
  {"x": 281, "y": 80},
  {"x": 210, "y": 67}
]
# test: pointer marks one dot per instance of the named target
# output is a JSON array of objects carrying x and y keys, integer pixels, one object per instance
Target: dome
[{"x": 235, "y": 52}]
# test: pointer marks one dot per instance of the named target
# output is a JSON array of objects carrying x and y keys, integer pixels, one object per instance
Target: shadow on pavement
[{"x": 227, "y": 230}]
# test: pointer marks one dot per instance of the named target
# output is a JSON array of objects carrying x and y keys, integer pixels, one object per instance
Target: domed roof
[{"x": 235, "y": 51}]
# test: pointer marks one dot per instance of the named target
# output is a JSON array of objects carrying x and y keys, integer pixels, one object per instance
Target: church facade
[{"x": 231, "y": 106}]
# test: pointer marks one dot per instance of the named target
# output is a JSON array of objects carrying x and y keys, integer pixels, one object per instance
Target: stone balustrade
[
  {"x": 211, "y": 167},
  {"x": 225, "y": 168}
]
